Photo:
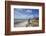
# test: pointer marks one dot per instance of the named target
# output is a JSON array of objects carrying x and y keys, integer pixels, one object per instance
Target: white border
[{"x": 24, "y": 28}]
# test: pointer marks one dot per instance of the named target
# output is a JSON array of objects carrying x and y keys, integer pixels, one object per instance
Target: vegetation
[{"x": 34, "y": 22}]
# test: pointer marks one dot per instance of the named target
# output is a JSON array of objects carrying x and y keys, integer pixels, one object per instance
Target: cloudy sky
[{"x": 21, "y": 13}]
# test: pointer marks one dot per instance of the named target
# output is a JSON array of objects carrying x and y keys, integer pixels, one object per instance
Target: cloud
[
  {"x": 29, "y": 11},
  {"x": 24, "y": 14},
  {"x": 31, "y": 16},
  {"x": 21, "y": 16}
]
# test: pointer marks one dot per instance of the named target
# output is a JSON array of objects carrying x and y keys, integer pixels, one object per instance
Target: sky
[{"x": 22, "y": 13}]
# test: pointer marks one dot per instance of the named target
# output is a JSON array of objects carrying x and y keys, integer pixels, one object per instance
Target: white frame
[{"x": 25, "y": 28}]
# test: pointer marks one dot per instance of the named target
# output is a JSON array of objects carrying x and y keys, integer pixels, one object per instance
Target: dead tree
[{"x": 28, "y": 23}]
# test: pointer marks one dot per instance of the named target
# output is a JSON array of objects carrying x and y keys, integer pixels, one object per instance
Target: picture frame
[{"x": 16, "y": 5}]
